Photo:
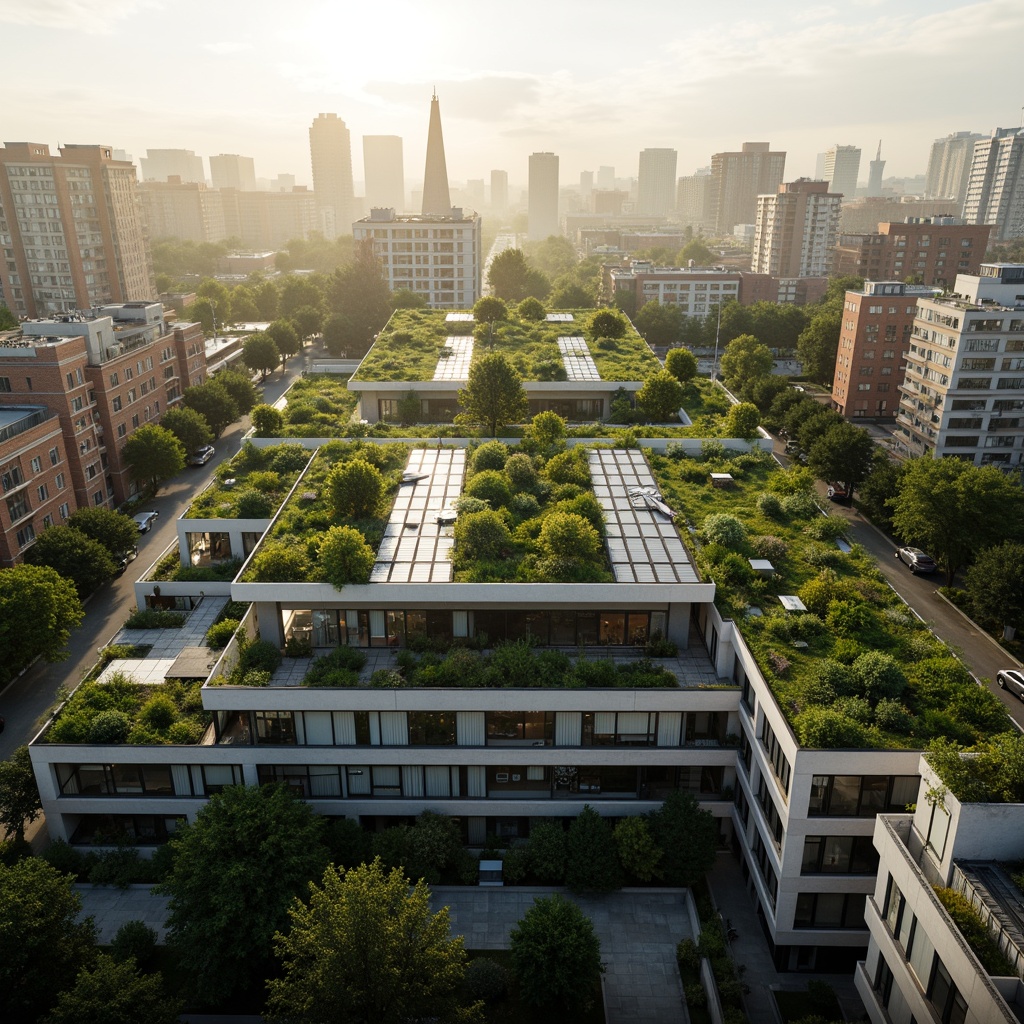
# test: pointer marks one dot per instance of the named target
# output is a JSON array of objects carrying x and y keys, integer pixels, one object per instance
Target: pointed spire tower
[{"x": 436, "y": 198}]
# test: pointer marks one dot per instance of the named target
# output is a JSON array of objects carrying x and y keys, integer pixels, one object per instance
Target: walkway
[{"x": 638, "y": 929}]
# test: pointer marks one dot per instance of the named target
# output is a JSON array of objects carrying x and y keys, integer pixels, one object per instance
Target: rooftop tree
[{"x": 494, "y": 393}]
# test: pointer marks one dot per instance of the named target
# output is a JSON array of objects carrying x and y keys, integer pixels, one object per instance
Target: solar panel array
[
  {"x": 455, "y": 366},
  {"x": 643, "y": 545},
  {"x": 459, "y": 318},
  {"x": 559, "y": 318},
  {"x": 415, "y": 548},
  {"x": 577, "y": 360}
]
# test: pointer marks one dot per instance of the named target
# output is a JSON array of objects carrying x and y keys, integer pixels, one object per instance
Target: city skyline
[{"x": 722, "y": 77}]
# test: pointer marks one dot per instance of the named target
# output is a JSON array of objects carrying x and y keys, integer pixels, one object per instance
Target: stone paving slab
[{"x": 110, "y": 907}]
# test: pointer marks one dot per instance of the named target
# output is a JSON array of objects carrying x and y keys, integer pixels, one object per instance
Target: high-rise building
[
  {"x": 266, "y": 220},
  {"x": 605, "y": 178},
  {"x": 693, "y": 199},
  {"x": 186, "y": 210},
  {"x": 90, "y": 248},
  {"x": 819, "y": 167},
  {"x": 949, "y": 166},
  {"x": 995, "y": 187},
  {"x": 842, "y": 166},
  {"x": 330, "y": 151},
  {"x": 542, "y": 219},
  {"x": 164, "y": 164},
  {"x": 875, "y": 171},
  {"x": 437, "y": 200},
  {"x": 586, "y": 187},
  {"x": 656, "y": 192},
  {"x": 229, "y": 170},
  {"x": 384, "y": 171},
  {"x": 499, "y": 191},
  {"x": 283, "y": 183},
  {"x": 737, "y": 179},
  {"x": 796, "y": 230}
]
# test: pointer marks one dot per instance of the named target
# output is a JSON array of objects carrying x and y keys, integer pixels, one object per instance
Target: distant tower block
[
  {"x": 875, "y": 169},
  {"x": 437, "y": 199}
]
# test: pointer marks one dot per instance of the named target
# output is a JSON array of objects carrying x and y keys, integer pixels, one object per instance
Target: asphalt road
[{"x": 27, "y": 701}]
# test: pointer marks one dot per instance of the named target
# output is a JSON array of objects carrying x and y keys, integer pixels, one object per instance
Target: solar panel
[
  {"x": 455, "y": 358},
  {"x": 576, "y": 358},
  {"x": 459, "y": 318}
]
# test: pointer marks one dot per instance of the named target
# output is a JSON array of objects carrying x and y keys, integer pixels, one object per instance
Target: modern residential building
[
  {"x": 165, "y": 164},
  {"x": 842, "y": 166},
  {"x": 949, "y": 166},
  {"x": 438, "y": 257},
  {"x": 656, "y": 190},
  {"x": 796, "y": 230},
  {"x": 102, "y": 374},
  {"x": 873, "y": 341},
  {"x": 384, "y": 171},
  {"x": 229, "y": 170},
  {"x": 542, "y": 214},
  {"x": 963, "y": 392},
  {"x": 267, "y": 220},
  {"x": 995, "y": 185},
  {"x": 499, "y": 191},
  {"x": 693, "y": 200},
  {"x": 72, "y": 229},
  {"x": 737, "y": 179},
  {"x": 330, "y": 151},
  {"x": 437, "y": 200},
  {"x": 931, "y": 250},
  {"x": 186, "y": 210},
  {"x": 876, "y": 171},
  {"x": 919, "y": 965}
]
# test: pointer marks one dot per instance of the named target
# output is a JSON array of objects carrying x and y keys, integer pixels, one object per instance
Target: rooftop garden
[
  {"x": 252, "y": 485},
  {"x": 858, "y": 669},
  {"x": 319, "y": 405},
  {"x": 410, "y": 346},
  {"x": 121, "y": 710}
]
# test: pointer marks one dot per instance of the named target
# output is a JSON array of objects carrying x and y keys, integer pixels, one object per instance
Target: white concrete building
[
  {"x": 656, "y": 186},
  {"x": 842, "y": 166},
  {"x": 995, "y": 184},
  {"x": 796, "y": 230},
  {"x": 542, "y": 213}
]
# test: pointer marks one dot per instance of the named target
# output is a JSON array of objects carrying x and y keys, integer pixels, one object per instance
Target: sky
[{"x": 594, "y": 82}]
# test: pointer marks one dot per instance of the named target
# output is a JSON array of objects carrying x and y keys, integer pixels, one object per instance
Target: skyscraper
[
  {"x": 605, "y": 178},
  {"x": 330, "y": 151},
  {"x": 949, "y": 166},
  {"x": 384, "y": 171},
  {"x": 436, "y": 197},
  {"x": 796, "y": 230},
  {"x": 164, "y": 164},
  {"x": 876, "y": 169},
  {"x": 995, "y": 187},
  {"x": 91, "y": 248},
  {"x": 693, "y": 194},
  {"x": 737, "y": 179},
  {"x": 542, "y": 210},
  {"x": 657, "y": 185},
  {"x": 229, "y": 170},
  {"x": 842, "y": 166},
  {"x": 499, "y": 191},
  {"x": 586, "y": 186}
]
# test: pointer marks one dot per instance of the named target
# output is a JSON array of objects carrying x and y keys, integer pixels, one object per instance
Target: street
[{"x": 26, "y": 702}]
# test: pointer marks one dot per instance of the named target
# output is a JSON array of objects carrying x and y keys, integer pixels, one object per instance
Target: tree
[
  {"x": 592, "y": 865},
  {"x": 260, "y": 352},
  {"x": 213, "y": 402},
  {"x": 219, "y": 298},
  {"x": 494, "y": 393},
  {"x": 243, "y": 304},
  {"x": 241, "y": 389},
  {"x": 482, "y": 536},
  {"x": 995, "y": 584},
  {"x": 661, "y": 397},
  {"x": 489, "y": 310},
  {"x": 697, "y": 251},
  {"x": 356, "y": 487},
  {"x": 568, "y": 535},
  {"x": 531, "y": 309},
  {"x": 188, "y": 426},
  {"x": 657, "y": 324},
  {"x": 367, "y": 948},
  {"x": 268, "y": 421},
  {"x": 250, "y": 851},
  {"x": 114, "y": 530},
  {"x": 818, "y": 344},
  {"x": 553, "y": 255},
  {"x": 688, "y": 837},
  {"x": 405, "y": 298},
  {"x": 336, "y": 331},
  {"x": 300, "y": 292},
  {"x": 556, "y": 956},
  {"x": 19, "y": 794},
  {"x": 76, "y": 557},
  {"x": 954, "y": 509},
  {"x": 152, "y": 453},
  {"x": 285, "y": 337},
  {"x": 570, "y": 295},
  {"x": 881, "y": 484},
  {"x": 843, "y": 453},
  {"x": 38, "y": 610},
  {"x": 43, "y": 945},
  {"x": 682, "y": 364},
  {"x": 607, "y": 323},
  {"x": 345, "y": 557},
  {"x": 509, "y": 275},
  {"x": 639, "y": 854},
  {"x": 115, "y": 993},
  {"x": 546, "y": 852},
  {"x": 743, "y": 360},
  {"x": 308, "y": 320},
  {"x": 359, "y": 292},
  {"x": 267, "y": 299},
  {"x": 742, "y": 421},
  {"x": 8, "y": 321}
]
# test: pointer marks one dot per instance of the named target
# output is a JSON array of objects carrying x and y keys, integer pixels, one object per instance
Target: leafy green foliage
[
  {"x": 19, "y": 795},
  {"x": 972, "y": 927},
  {"x": 992, "y": 773},
  {"x": 76, "y": 557},
  {"x": 682, "y": 364},
  {"x": 494, "y": 393},
  {"x": 661, "y": 397},
  {"x": 639, "y": 853},
  {"x": 745, "y": 359},
  {"x": 995, "y": 583},
  {"x": 688, "y": 837},
  {"x": 260, "y": 353},
  {"x": 213, "y": 402},
  {"x": 153, "y": 454},
  {"x": 356, "y": 489},
  {"x": 591, "y": 862},
  {"x": 344, "y": 557},
  {"x": 607, "y": 323},
  {"x": 489, "y": 309},
  {"x": 547, "y": 852}
]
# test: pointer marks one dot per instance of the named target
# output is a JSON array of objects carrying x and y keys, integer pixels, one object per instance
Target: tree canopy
[
  {"x": 513, "y": 279},
  {"x": 657, "y": 324},
  {"x": 356, "y": 488},
  {"x": 682, "y": 364},
  {"x": 661, "y": 397},
  {"x": 844, "y": 453},
  {"x": 153, "y": 454},
  {"x": 19, "y": 794},
  {"x": 214, "y": 402},
  {"x": 76, "y": 557},
  {"x": 38, "y": 610},
  {"x": 359, "y": 292},
  {"x": 688, "y": 835},
  {"x": 744, "y": 359},
  {"x": 592, "y": 864},
  {"x": 188, "y": 426},
  {"x": 697, "y": 251},
  {"x": 345, "y": 557},
  {"x": 819, "y": 342},
  {"x": 366, "y": 947},
  {"x": 260, "y": 352},
  {"x": 114, "y": 530},
  {"x": 285, "y": 337},
  {"x": 995, "y": 584},
  {"x": 494, "y": 393},
  {"x": 489, "y": 310}
]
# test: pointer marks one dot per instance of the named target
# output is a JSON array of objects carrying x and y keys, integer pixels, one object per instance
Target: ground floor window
[{"x": 111, "y": 829}]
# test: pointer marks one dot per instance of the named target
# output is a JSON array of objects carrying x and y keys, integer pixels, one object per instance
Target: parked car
[
  {"x": 837, "y": 492},
  {"x": 1011, "y": 679},
  {"x": 916, "y": 560},
  {"x": 125, "y": 557},
  {"x": 792, "y": 447},
  {"x": 201, "y": 456},
  {"x": 144, "y": 520}
]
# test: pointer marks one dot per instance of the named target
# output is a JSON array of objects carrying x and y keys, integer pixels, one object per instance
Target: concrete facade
[
  {"x": 656, "y": 188},
  {"x": 542, "y": 216},
  {"x": 842, "y": 167},
  {"x": 330, "y": 150},
  {"x": 995, "y": 185},
  {"x": 796, "y": 230},
  {"x": 737, "y": 179}
]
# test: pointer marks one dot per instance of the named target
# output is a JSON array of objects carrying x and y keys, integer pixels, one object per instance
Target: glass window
[
  {"x": 613, "y": 628},
  {"x": 275, "y": 727},
  {"x": 432, "y": 728}
]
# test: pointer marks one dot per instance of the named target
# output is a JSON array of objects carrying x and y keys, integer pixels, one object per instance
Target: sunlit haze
[{"x": 594, "y": 82}]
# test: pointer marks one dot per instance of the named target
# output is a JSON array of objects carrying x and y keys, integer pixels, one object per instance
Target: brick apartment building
[{"x": 932, "y": 250}]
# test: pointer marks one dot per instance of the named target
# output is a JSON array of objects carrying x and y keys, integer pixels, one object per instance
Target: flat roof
[{"x": 16, "y": 413}]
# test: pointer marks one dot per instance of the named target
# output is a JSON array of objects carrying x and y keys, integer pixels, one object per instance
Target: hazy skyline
[{"x": 594, "y": 83}]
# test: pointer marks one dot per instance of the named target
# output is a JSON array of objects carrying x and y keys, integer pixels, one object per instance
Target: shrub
[
  {"x": 568, "y": 535},
  {"x": 256, "y": 677},
  {"x": 279, "y": 562},
  {"x": 524, "y": 506},
  {"x": 158, "y": 712},
  {"x": 260, "y": 654},
  {"x": 490, "y": 455},
  {"x": 482, "y": 535},
  {"x": 973, "y": 929},
  {"x": 491, "y": 486},
  {"x": 720, "y": 528},
  {"x": 298, "y": 647},
  {"x": 520, "y": 471},
  {"x": 800, "y": 505},
  {"x": 879, "y": 675},
  {"x": 356, "y": 488},
  {"x": 856, "y": 708},
  {"x": 64, "y": 857},
  {"x": 826, "y": 528},
  {"x": 110, "y": 726},
  {"x": 825, "y": 729},
  {"x": 340, "y": 667},
  {"x": 767, "y": 546},
  {"x": 135, "y": 940},
  {"x": 569, "y": 467},
  {"x": 154, "y": 618},
  {"x": 485, "y": 978},
  {"x": 119, "y": 867},
  {"x": 253, "y": 504},
  {"x": 892, "y": 716},
  {"x": 264, "y": 481},
  {"x": 387, "y": 679},
  {"x": 219, "y": 635},
  {"x": 344, "y": 557}
]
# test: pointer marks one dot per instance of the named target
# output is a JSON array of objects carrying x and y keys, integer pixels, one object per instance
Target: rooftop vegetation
[
  {"x": 319, "y": 405},
  {"x": 121, "y": 710},
  {"x": 991, "y": 772},
  {"x": 975, "y": 932},
  {"x": 252, "y": 485},
  {"x": 858, "y": 669}
]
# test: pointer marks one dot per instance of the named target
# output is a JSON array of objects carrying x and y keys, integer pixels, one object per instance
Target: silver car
[{"x": 1011, "y": 679}]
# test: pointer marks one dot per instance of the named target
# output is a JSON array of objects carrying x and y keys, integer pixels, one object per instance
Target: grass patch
[
  {"x": 409, "y": 346},
  {"x": 319, "y": 405}
]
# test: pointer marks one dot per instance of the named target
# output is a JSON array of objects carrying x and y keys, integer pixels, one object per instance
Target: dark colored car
[
  {"x": 916, "y": 560},
  {"x": 201, "y": 456},
  {"x": 1011, "y": 679},
  {"x": 125, "y": 557},
  {"x": 837, "y": 492}
]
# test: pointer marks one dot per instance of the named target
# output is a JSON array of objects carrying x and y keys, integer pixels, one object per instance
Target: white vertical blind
[
  {"x": 358, "y": 776},
  {"x": 670, "y": 725},
  {"x": 437, "y": 780},
  {"x": 455, "y": 781},
  {"x": 181, "y": 779},
  {"x": 345, "y": 728},
  {"x": 604, "y": 721},
  {"x": 470, "y": 728},
  {"x": 394, "y": 729},
  {"x": 386, "y": 775},
  {"x": 300, "y": 730},
  {"x": 460, "y": 623},
  {"x": 412, "y": 780},
  {"x": 323, "y": 780},
  {"x": 318, "y": 728},
  {"x": 535, "y": 773},
  {"x": 196, "y": 772},
  {"x": 374, "y": 719},
  {"x": 634, "y": 722},
  {"x": 476, "y": 780},
  {"x": 69, "y": 781},
  {"x": 568, "y": 728},
  {"x": 377, "y": 623}
]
